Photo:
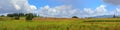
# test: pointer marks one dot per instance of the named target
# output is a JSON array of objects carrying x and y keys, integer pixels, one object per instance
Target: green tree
[
  {"x": 29, "y": 16},
  {"x": 74, "y": 17},
  {"x": 16, "y": 16},
  {"x": 21, "y": 14},
  {"x": 10, "y": 15},
  {"x": 2, "y": 16},
  {"x": 114, "y": 16}
]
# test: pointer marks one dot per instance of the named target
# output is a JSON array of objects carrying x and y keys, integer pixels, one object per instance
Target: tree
[
  {"x": 74, "y": 17},
  {"x": 2, "y": 15},
  {"x": 10, "y": 15},
  {"x": 21, "y": 14},
  {"x": 16, "y": 16},
  {"x": 114, "y": 16},
  {"x": 29, "y": 16}
]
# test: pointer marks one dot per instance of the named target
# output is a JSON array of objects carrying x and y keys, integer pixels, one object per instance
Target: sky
[{"x": 61, "y": 8}]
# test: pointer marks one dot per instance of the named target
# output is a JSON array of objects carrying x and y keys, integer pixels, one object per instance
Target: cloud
[
  {"x": 15, "y": 6},
  {"x": 67, "y": 11},
  {"x": 58, "y": 11},
  {"x": 101, "y": 10},
  {"x": 88, "y": 11},
  {"x": 117, "y": 11},
  {"x": 113, "y": 2}
]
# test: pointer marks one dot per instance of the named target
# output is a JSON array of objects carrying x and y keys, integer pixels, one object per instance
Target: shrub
[
  {"x": 74, "y": 17},
  {"x": 2, "y": 16},
  {"x": 22, "y": 14},
  {"x": 10, "y": 15},
  {"x": 114, "y": 16},
  {"x": 16, "y": 16},
  {"x": 29, "y": 16}
]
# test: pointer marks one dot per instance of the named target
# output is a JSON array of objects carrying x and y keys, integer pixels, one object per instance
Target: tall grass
[
  {"x": 59, "y": 24},
  {"x": 102, "y": 21},
  {"x": 53, "y": 25}
]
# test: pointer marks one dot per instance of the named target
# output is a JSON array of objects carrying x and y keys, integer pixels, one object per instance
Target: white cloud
[
  {"x": 17, "y": 7},
  {"x": 88, "y": 10},
  {"x": 118, "y": 10},
  {"x": 32, "y": 7},
  {"x": 13, "y": 6},
  {"x": 58, "y": 11},
  {"x": 68, "y": 11},
  {"x": 101, "y": 10}
]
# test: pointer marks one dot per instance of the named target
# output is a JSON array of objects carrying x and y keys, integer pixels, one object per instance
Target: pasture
[{"x": 7, "y": 23}]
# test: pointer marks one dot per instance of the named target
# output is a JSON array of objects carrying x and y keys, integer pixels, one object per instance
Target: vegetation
[
  {"x": 74, "y": 23},
  {"x": 10, "y": 15},
  {"x": 102, "y": 21},
  {"x": 114, "y": 16},
  {"x": 29, "y": 16},
  {"x": 2, "y": 16},
  {"x": 17, "y": 16},
  {"x": 22, "y": 14},
  {"x": 60, "y": 24},
  {"x": 74, "y": 17}
]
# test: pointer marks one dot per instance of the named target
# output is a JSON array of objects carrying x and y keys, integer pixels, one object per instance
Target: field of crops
[{"x": 61, "y": 24}]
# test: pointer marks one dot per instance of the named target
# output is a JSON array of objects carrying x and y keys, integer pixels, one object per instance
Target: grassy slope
[{"x": 59, "y": 24}]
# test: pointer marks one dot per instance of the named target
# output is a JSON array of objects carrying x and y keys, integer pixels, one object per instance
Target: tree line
[
  {"x": 16, "y": 16},
  {"x": 28, "y": 16}
]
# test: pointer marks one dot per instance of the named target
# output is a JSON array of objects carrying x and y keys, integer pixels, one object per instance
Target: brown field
[{"x": 76, "y": 19}]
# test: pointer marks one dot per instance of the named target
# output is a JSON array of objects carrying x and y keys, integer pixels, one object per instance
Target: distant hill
[{"x": 104, "y": 16}]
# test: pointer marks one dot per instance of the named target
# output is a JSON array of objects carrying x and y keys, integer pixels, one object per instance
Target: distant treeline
[
  {"x": 16, "y": 15},
  {"x": 29, "y": 16}
]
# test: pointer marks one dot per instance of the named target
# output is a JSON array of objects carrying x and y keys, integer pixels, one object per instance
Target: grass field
[{"x": 60, "y": 24}]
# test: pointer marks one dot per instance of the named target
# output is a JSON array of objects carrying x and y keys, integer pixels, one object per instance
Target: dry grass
[{"x": 59, "y": 24}]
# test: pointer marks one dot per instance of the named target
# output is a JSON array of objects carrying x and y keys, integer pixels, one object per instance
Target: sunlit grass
[{"x": 60, "y": 25}]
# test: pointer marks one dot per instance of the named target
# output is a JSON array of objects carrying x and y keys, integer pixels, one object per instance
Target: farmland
[{"x": 7, "y": 23}]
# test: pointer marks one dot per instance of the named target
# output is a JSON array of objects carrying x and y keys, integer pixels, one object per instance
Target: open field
[{"x": 60, "y": 24}]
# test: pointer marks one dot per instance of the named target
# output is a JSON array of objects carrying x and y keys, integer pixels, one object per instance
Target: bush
[
  {"x": 2, "y": 16},
  {"x": 17, "y": 18},
  {"x": 114, "y": 16},
  {"x": 10, "y": 15},
  {"x": 74, "y": 17},
  {"x": 22, "y": 14},
  {"x": 29, "y": 16}
]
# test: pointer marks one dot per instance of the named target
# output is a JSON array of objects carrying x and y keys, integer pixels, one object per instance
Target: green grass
[
  {"x": 102, "y": 21},
  {"x": 11, "y": 24},
  {"x": 52, "y": 25}
]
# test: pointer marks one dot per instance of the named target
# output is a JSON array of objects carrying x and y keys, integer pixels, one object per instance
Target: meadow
[{"x": 7, "y": 23}]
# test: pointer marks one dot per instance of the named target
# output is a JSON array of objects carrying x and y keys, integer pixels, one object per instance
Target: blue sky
[
  {"x": 61, "y": 8},
  {"x": 87, "y": 7},
  {"x": 81, "y": 4}
]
